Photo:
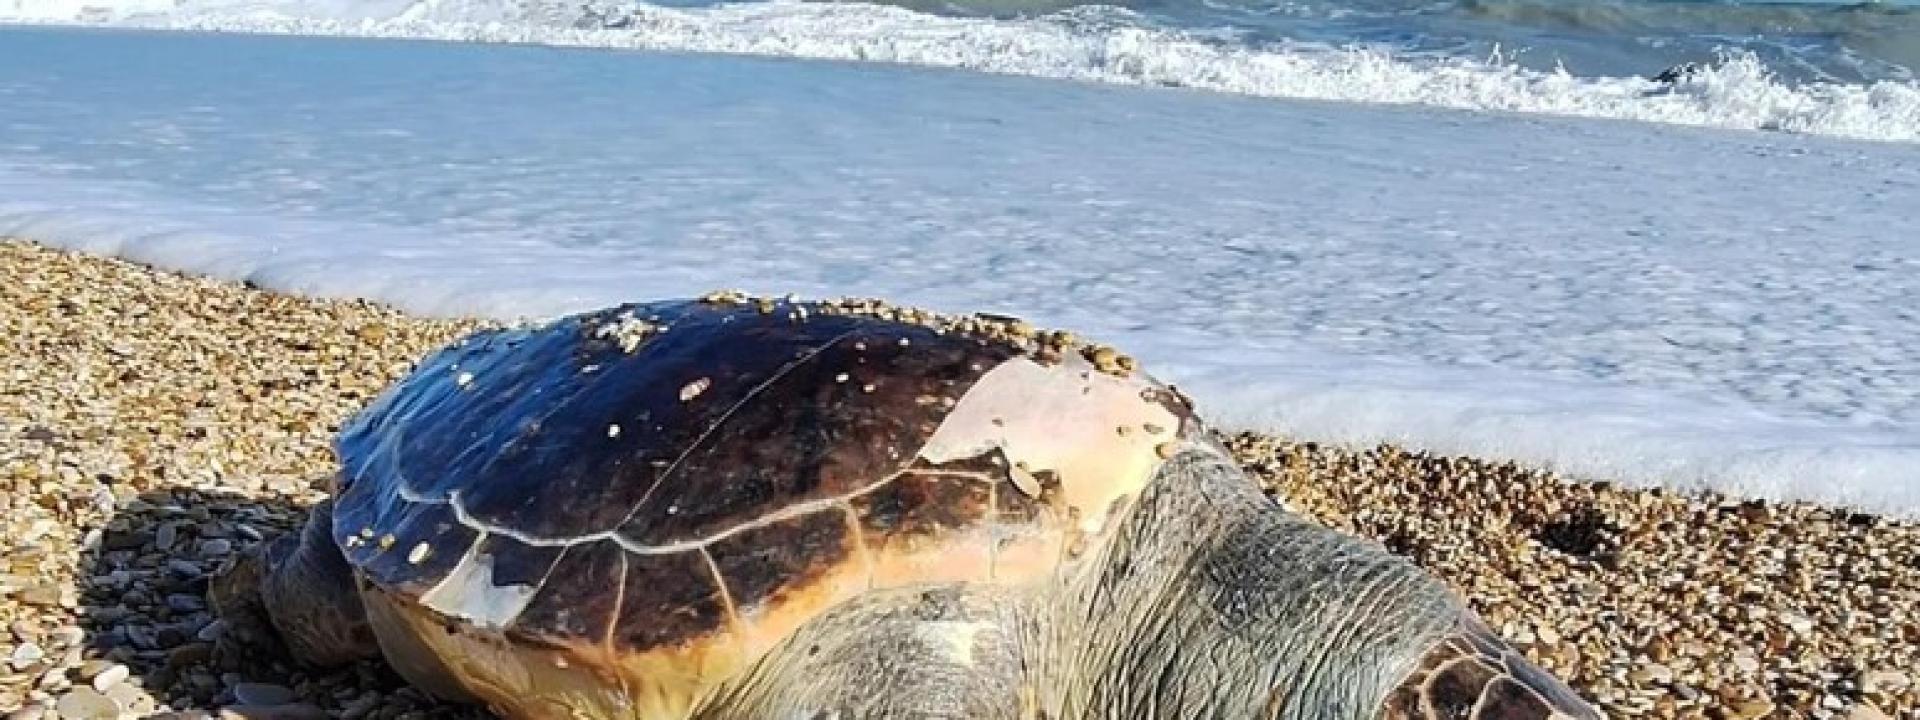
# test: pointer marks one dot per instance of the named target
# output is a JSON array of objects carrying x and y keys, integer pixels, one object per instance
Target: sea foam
[{"x": 1089, "y": 43}]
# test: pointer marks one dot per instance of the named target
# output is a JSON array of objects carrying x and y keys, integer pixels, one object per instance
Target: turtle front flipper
[
  {"x": 1473, "y": 675},
  {"x": 304, "y": 589}
]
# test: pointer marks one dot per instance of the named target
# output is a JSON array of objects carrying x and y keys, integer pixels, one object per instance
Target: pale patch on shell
[
  {"x": 693, "y": 389},
  {"x": 613, "y": 431},
  {"x": 469, "y": 592},
  {"x": 419, "y": 553},
  {"x": 1060, "y": 418}
]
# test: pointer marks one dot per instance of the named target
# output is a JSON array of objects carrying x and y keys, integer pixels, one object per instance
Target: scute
[
  {"x": 682, "y": 484},
  {"x": 574, "y": 601}
]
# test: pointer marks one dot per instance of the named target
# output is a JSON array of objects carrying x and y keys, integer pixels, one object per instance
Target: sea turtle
[{"x": 739, "y": 508}]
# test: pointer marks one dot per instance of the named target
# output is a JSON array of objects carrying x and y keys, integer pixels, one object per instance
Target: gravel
[
  {"x": 152, "y": 425},
  {"x": 1651, "y": 603}
]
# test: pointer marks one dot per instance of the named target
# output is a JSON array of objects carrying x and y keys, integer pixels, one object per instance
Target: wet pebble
[
  {"x": 166, "y": 536},
  {"x": 263, "y": 694},
  {"x": 285, "y": 711},
  {"x": 216, "y": 548}
]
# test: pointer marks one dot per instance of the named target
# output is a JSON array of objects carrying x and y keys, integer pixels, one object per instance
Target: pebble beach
[{"x": 154, "y": 424}]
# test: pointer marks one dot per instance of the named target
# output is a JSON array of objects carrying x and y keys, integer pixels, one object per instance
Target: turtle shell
[{"x": 687, "y": 482}]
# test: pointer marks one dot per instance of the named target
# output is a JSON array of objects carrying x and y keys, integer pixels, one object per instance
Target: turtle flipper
[
  {"x": 306, "y": 591},
  {"x": 1473, "y": 675}
]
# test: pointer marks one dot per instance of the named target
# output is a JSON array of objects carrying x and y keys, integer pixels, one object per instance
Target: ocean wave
[{"x": 1092, "y": 43}]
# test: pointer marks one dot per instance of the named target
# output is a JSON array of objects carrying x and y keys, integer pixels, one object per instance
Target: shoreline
[{"x": 154, "y": 423}]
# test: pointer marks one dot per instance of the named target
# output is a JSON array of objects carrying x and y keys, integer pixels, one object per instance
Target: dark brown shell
[{"x": 703, "y": 476}]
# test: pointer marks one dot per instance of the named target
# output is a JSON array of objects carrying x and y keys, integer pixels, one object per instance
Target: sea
[{"x": 1658, "y": 243}]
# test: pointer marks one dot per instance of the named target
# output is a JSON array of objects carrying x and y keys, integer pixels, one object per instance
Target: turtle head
[
  {"x": 292, "y": 595},
  {"x": 234, "y": 593},
  {"x": 235, "y": 587}
]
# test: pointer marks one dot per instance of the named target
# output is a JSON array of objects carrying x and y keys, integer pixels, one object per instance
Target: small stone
[
  {"x": 114, "y": 674},
  {"x": 190, "y": 654},
  {"x": 135, "y": 700},
  {"x": 360, "y": 706},
  {"x": 41, "y": 595},
  {"x": 1864, "y": 711},
  {"x": 211, "y": 631},
  {"x": 263, "y": 694},
  {"x": 185, "y": 603},
  {"x": 216, "y": 548},
  {"x": 288, "y": 711},
  {"x": 1652, "y": 672},
  {"x": 1750, "y": 709},
  {"x": 67, "y": 636},
  {"x": 25, "y": 655},
  {"x": 1799, "y": 624},
  {"x": 23, "y": 631},
  {"x": 1522, "y": 635},
  {"x": 54, "y": 679},
  {"x": 87, "y": 704},
  {"x": 142, "y": 637},
  {"x": 1884, "y": 681},
  {"x": 184, "y": 568},
  {"x": 164, "y": 537},
  {"x": 29, "y": 712},
  {"x": 1547, "y": 635},
  {"x": 92, "y": 668}
]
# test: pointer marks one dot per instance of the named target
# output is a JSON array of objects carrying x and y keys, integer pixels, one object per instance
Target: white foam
[
  {"x": 1089, "y": 43},
  {"x": 1615, "y": 300}
]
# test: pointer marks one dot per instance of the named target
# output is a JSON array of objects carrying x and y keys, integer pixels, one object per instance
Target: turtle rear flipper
[{"x": 1473, "y": 675}]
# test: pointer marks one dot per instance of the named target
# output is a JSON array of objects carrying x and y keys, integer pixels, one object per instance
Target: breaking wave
[{"x": 1087, "y": 43}]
